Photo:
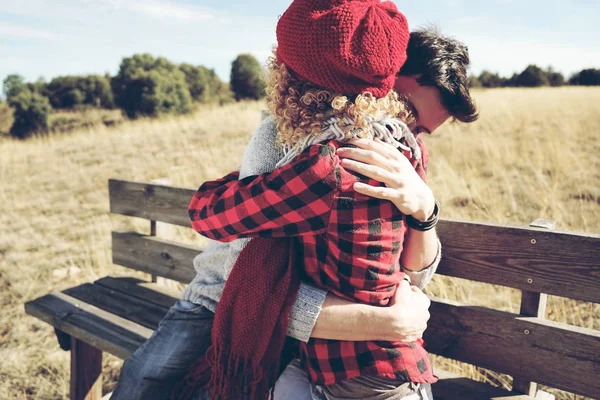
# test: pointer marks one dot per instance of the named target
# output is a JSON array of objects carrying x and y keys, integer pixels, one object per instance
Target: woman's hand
[{"x": 384, "y": 163}]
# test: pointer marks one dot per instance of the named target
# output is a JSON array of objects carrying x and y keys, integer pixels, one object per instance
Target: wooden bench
[{"x": 116, "y": 315}]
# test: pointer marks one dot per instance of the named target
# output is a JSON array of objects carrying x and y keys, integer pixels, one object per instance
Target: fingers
[
  {"x": 379, "y": 192},
  {"x": 368, "y": 157},
  {"x": 385, "y": 149},
  {"x": 372, "y": 171}
]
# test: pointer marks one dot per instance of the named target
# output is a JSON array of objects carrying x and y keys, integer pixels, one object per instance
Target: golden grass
[{"x": 533, "y": 154}]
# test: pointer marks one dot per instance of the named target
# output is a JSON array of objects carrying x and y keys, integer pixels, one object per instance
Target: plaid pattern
[{"x": 349, "y": 244}]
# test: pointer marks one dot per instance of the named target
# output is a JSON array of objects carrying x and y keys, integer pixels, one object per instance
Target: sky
[{"x": 49, "y": 38}]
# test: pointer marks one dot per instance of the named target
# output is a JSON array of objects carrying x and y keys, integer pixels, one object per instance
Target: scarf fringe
[
  {"x": 241, "y": 380},
  {"x": 387, "y": 129}
]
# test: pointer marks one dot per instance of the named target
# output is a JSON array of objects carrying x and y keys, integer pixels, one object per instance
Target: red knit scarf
[{"x": 250, "y": 326}]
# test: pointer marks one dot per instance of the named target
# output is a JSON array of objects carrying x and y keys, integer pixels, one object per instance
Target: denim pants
[
  {"x": 293, "y": 384},
  {"x": 155, "y": 368},
  {"x": 184, "y": 334}
]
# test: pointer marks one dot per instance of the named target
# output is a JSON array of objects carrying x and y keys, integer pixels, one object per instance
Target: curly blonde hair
[{"x": 300, "y": 108}]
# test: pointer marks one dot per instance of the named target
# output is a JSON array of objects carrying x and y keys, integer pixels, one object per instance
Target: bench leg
[{"x": 86, "y": 371}]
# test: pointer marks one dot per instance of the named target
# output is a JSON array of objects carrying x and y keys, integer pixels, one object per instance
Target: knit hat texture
[{"x": 347, "y": 46}]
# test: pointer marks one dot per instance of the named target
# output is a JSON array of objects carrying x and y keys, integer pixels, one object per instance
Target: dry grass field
[{"x": 534, "y": 153}]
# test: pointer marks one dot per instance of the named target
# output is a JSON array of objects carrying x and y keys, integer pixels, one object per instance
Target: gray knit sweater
[{"x": 215, "y": 263}]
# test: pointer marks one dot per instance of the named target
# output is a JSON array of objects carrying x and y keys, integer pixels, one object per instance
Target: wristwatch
[{"x": 423, "y": 226}]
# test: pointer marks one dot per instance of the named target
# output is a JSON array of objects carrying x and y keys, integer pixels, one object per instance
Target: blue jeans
[
  {"x": 293, "y": 384},
  {"x": 155, "y": 368}
]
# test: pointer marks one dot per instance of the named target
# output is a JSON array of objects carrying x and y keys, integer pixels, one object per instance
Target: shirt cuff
[
  {"x": 305, "y": 311},
  {"x": 421, "y": 278}
]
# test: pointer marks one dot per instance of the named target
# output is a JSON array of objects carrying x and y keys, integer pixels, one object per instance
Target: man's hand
[
  {"x": 403, "y": 321},
  {"x": 409, "y": 313},
  {"x": 384, "y": 163}
]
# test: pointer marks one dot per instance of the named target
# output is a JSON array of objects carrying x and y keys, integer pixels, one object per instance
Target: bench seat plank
[
  {"x": 159, "y": 295},
  {"x": 120, "y": 304},
  {"x": 86, "y": 322}
]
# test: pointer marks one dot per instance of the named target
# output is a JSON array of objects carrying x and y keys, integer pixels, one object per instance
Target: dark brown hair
[{"x": 442, "y": 62}]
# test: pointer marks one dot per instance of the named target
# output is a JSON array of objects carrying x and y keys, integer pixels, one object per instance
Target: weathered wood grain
[
  {"x": 532, "y": 305},
  {"x": 86, "y": 371},
  {"x": 535, "y": 260},
  {"x": 154, "y": 255},
  {"x": 523, "y": 258},
  {"x": 156, "y": 202},
  {"x": 153, "y": 293},
  {"x": 455, "y": 387},
  {"x": 100, "y": 329},
  {"x": 120, "y": 304},
  {"x": 559, "y": 355}
]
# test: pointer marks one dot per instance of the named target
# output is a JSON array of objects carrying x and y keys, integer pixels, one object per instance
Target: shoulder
[
  {"x": 317, "y": 163},
  {"x": 320, "y": 152},
  {"x": 262, "y": 154}
]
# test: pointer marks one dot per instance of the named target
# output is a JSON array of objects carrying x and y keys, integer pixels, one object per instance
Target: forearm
[
  {"x": 344, "y": 320},
  {"x": 420, "y": 249},
  {"x": 319, "y": 314}
]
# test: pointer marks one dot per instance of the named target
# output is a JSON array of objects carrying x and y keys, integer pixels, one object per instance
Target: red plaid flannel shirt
[{"x": 350, "y": 245}]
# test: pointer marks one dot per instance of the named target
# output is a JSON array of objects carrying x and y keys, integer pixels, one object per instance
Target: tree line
[
  {"x": 534, "y": 76},
  {"x": 145, "y": 86}
]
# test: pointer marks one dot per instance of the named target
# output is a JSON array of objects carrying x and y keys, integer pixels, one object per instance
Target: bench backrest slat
[
  {"x": 535, "y": 260},
  {"x": 154, "y": 255},
  {"x": 559, "y": 355},
  {"x": 150, "y": 201}
]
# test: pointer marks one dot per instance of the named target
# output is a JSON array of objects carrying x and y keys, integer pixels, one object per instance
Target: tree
[
  {"x": 532, "y": 76},
  {"x": 148, "y": 86},
  {"x": 247, "y": 80},
  {"x": 474, "y": 82},
  {"x": 30, "y": 115},
  {"x": 13, "y": 85},
  {"x": 512, "y": 81},
  {"x": 73, "y": 91},
  {"x": 491, "y": 80},
  {"x": 204, "y": 85},
  {"x": 586, "y": 77},
  {"x": 223, "y": 93},
  {"x": 555, "y": 78}
]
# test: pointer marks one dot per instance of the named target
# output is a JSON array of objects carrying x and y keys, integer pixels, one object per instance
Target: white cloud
[{"x": 26, "y": 32}]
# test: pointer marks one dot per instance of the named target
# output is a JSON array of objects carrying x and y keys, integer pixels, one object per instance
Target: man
[{"x": 434, "y": 81}]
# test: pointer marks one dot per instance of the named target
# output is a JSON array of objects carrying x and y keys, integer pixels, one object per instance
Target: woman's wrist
[{"x": 427, "y": 209}]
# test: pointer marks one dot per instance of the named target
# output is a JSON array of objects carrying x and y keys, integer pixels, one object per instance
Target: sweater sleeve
[{"x": 305, "y": 311}]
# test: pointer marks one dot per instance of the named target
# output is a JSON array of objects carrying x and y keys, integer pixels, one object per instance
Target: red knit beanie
[{"x": 348, "y": 46}]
